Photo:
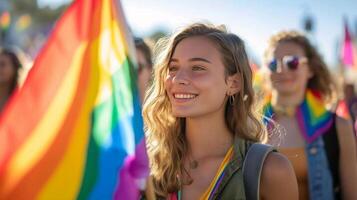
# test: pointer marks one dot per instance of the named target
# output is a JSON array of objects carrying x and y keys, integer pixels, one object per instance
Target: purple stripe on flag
[{"x": 133, "y": 173}]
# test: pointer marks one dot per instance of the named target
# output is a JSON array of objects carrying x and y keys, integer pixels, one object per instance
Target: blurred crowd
[{"x": 308, "y": 113}]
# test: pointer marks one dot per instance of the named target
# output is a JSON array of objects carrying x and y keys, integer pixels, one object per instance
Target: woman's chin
[
  {"x": 183, "y": 113},
  {"x": 285, "y": 88}
]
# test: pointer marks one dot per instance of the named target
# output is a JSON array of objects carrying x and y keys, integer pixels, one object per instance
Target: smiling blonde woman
[{"x": 200, "y": 120}]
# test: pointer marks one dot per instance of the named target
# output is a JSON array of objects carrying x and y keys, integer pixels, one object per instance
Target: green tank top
[{"x": 232, "y": 186}]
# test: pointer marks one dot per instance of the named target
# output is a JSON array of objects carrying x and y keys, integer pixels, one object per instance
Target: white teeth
[{"x": 184, "y": 96}]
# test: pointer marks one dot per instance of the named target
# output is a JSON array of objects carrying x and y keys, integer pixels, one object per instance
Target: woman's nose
[
  {"x": 181, "y": 77},
  {"x": 280, "y": 68}
]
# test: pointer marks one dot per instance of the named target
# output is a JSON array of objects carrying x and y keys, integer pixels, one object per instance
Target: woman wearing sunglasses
[{"x": 320, "y": 145}]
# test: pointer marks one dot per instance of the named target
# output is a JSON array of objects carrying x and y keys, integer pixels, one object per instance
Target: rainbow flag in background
[
  {"x": 23, "y": 22},
  {"x": 5, "y": 20},
  {"x": 348, "y": 51},
  {"x": 74, "y": 130},
  {"x": 342, "y": 110}
]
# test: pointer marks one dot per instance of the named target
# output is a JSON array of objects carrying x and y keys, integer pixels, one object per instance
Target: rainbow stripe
[
  {"x": 312, "y": 116},
  {"x": 212, "y": 189},
  {"x": 74, "y": 131}
]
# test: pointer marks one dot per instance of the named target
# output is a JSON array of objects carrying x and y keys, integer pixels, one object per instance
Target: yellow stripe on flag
[
  {"x": 73, "y": 162},
  {"x": 46, "y": 130}
]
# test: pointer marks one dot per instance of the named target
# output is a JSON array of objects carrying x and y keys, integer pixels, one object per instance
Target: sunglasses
[{"x": 289, "y": 62}]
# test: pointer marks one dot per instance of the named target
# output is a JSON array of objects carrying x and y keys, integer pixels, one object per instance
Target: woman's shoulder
[
  {"x": 344, "y": 130},
  {"x": 278, "y": 179},
  {"x": 345, "y": 134},
  {"x": 343, "y": 124},
  {"x": 275, "y": 167}
]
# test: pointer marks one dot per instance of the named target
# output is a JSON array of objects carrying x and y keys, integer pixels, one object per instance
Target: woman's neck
[
  {"x": 288, "y": 99},
  {"x": 208, "y": 136}
]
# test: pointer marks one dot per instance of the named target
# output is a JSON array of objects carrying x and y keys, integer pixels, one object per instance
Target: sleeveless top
[
  {"x": 231, "y": 185},
  {"x": 322, "y": 180},
  {"x": 298, "y": 159}
]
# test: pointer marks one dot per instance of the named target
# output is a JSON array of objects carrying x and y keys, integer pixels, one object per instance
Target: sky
[
  {"x": 52, "y": 3},
  {"x": 253, "y": 20}
]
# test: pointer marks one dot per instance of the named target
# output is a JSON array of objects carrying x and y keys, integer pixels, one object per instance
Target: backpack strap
[{"x": 252, "y": 168}]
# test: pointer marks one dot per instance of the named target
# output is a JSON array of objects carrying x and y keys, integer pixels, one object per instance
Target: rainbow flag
[
  {"x": 5, "y": 20},
  {"x": 348, "y": 50},
  {"x": 313, "y": 117},
  {"x": 74, "y": 130},
  {"x": 23, "y": 22},
  {"x": 342, "y": 110}
]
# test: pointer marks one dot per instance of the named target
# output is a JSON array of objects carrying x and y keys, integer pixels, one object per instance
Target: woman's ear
[{"x": 234, "y": 84}]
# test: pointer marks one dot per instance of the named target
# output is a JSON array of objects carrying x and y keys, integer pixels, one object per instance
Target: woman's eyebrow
[
  {"x": 199, "y": 59},
  {"x": 191, "y": 60}
]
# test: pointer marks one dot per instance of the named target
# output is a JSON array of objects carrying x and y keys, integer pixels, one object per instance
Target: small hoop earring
[{"x": 231, "y": 99}]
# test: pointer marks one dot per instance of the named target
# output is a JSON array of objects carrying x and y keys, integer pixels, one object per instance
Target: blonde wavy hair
[
  {"x": 322, "y": 80},
  {"x": 166, "y": 141}
]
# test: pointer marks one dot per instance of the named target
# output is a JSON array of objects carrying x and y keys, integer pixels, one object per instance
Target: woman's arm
[
  {"x": 348, "y": 158},
  {"x": 278, "y": 179}
]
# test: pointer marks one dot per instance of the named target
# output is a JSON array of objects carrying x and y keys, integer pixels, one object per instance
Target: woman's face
[
  {"x": 144, "y": 73},
  {"x": 291, "y": 72},
  {"x": 195, "y": 82},
  {"x": 7, "y": 70}
]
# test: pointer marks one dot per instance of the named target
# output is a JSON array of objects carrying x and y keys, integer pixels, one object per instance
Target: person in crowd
[
  {"x": 9, "y": 75},
  {"x": 319, "y": 144},
  {"x": 143, "y": 55}
]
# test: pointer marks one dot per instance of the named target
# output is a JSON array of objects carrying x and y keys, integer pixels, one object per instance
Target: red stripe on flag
[
  {"x": 28, "y": 105},
  {"x": 76, "y": 21},
  {"x": 40, "y": 173}
]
